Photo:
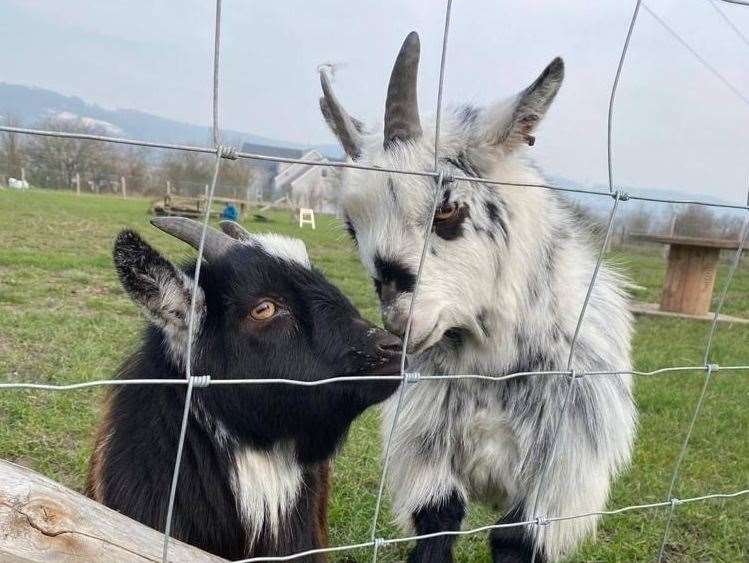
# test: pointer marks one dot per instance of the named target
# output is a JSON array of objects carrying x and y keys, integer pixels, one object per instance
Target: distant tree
[
  {"x": 640, "y": 219},
  {"x": 12, "y": 149},
  {"x": 697, "y": 221},
  {"x": 56, "y": 161},
  {"x": 235, "y": 177},
  {"x": 137, "y": 165},
  {"x": 189, "y": 172}
]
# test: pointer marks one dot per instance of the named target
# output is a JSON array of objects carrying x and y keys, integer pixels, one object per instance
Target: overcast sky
[{"x": 676, "y": 126}]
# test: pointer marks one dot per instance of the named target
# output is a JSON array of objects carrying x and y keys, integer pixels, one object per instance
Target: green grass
[{"x": 63, "y": 318}]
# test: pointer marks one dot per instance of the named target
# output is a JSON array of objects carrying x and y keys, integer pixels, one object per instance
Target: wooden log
[
  {"x": 690, "y": 277},
  {"x": 42, "y": 521}
]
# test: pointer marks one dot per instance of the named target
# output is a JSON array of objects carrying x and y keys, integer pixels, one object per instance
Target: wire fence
[{"x": 222, "y": 152}]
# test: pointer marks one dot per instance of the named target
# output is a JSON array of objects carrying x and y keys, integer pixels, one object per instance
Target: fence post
[
  {"x": 168, "y": 188},
  {"x": 78, "y": 183},
  {"x": 23, "y": 174},
  {"x": 124, "y": 187}
]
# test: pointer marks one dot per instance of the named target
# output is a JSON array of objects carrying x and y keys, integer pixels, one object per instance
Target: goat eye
[
  {"x": 263, "y": 311},
  {"x": 446, "y": 211}
]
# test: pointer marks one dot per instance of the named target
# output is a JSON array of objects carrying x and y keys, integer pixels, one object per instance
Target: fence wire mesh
[{"x": 191, "y": 381}]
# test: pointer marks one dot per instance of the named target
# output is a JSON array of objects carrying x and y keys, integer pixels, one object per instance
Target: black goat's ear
[
  {"x": 158, "y": 287},
  {"x": 511, "y": 123}
]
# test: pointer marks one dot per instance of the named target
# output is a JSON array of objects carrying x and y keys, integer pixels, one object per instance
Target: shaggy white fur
[{"x": 502, "y": 289}]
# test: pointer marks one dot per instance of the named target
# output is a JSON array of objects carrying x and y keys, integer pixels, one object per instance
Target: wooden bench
[{"x": 184, "y": 206}]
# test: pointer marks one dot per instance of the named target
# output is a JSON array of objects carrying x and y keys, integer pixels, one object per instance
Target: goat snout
[
  {"x": 394, "y": 321},
  {"x": 388, "y": 344}
]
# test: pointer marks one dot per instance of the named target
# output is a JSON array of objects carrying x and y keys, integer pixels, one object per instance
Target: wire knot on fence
[
  {"x": 199, "y": 381},
  {"x": 220, "y": 151},
  {"x": 411, "y": 377},
  {"x": 572, "y": 374},
  {"x": 227, "y": 151}
]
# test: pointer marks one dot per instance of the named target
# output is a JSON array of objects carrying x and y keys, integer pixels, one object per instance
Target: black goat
[{"x": 254, "y": 469}]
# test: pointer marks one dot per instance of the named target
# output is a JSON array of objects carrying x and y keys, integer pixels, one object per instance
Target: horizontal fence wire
[
  {"x": 536, "y": 522},
  {"x": 409, "y": 378},
  {"x": 233, "y": 154},
  {"x": 200, "y": 382}
]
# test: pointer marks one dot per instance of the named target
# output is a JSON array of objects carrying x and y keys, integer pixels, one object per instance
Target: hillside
[{"x": 32, "y": 105}]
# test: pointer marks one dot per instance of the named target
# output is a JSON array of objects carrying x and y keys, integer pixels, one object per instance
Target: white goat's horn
[
  {"x": 216, "y": 243},
  {"x": 402, "y": 108}
]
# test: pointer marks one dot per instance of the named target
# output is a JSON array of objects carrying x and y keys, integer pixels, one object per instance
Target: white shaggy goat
[{"x": 502, "y": 288}]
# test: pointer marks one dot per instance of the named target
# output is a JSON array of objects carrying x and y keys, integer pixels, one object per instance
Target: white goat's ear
[
  {"x": 157, "y": 286},
  {"x": 347, "y": 129},
  {"x": 511, "y": 123}
]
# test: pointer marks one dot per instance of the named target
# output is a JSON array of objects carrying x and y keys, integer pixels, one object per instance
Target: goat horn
[
  {"x": 345, "y": 127},
  {"x": 216, "y": 243},
  {"x": 235, "y": 230},
  {"x": 402, "y": 108}
]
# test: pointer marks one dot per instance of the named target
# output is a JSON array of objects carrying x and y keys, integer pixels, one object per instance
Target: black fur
[
  {"x": 320, "y": 335},
  {"x": 351, "y": 231},
  {"x": 440, "y": 517},
  {"x": 512, "y": 545},
  {"x": 497, "y": 218},
  {"x": 393, "y": 278}
]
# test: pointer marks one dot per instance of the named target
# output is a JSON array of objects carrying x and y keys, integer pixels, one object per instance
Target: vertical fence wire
[
  {"x": 614, "y": 87},
  {"x": 220, "y": 153},
  {"x": 188, "y": 352},
  {"x": 224, "y": 152},
  {"x": 175, "y": 472},
  {"x": 572, "y": 376},
  {"x": 216, "y": 55},
  {"x": 427, "y": 237},
  {"x": 401, "y": 391},
  {"x": 709, "y": 370}
]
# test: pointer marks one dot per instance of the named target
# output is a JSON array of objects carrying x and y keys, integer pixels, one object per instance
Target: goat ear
[
  {"x": 347, "y": 129},
  {"x": 511, "y": 123},
  {"x": 157, "y": 286}
]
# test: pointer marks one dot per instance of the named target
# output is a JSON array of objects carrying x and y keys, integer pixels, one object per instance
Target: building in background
[{"x": 311, "y": 186}]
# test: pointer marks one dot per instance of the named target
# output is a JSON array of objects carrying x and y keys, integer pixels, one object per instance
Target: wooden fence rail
[{"x": 42, "y": 521}]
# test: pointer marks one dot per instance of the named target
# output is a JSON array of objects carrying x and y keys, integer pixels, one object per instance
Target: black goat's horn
[
  {"x": 235, "y": 230},
  {"x": 216, "y": 243},
  {"x": 401, "y": 108}
]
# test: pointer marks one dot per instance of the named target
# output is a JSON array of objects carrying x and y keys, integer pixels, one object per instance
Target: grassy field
[{"x": 63, "y": 318}]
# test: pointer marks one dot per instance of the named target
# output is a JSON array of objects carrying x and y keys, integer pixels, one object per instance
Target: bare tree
[
  {"x": 235, "y": 178},
  {"x": 57, "y": 161},
  {"x": 12, "y": 149},
  {"x": 187, "y": 171},
  {"x": 697, "y": 221}
]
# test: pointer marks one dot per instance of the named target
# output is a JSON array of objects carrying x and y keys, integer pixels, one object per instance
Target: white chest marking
[{"x": 266, "y": 485}]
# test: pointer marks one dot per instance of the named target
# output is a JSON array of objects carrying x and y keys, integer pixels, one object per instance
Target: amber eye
[
  {"x": 263, "y": 311},
  {"x": 446, "y": 211}
]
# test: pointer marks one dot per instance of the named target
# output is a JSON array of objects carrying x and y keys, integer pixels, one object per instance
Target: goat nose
[
  {"x": 388, "y": 292},
  {"x": 394, "y": 325},
  {"x": 389, "y": 344}
]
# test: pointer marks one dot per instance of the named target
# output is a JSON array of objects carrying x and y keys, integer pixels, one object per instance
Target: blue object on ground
[{"x": 229, "y": 213}]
